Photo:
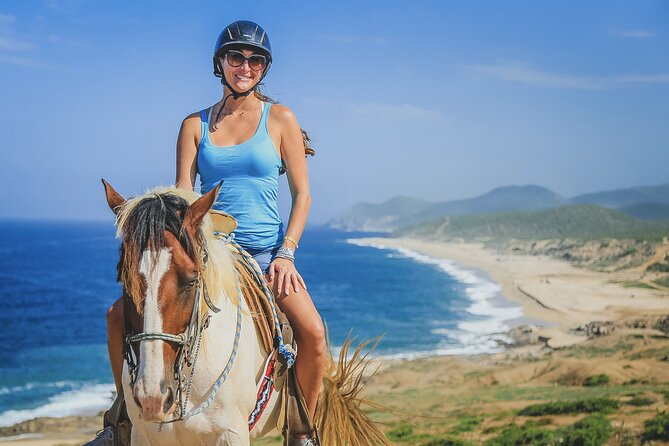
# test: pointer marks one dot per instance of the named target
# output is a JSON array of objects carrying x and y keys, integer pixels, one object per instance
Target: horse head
[{"x": 160, "y": 267}]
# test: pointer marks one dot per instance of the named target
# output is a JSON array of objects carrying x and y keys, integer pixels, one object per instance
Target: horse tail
[{"x": 339, "y": 415}]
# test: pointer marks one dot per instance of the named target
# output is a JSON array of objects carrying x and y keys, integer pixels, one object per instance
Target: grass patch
[
  {"x": 656, "y": 428},
  {"x": 401, "y": 432},
  {"x": 468, "y": 423},
  {"x": 591, "y": 351},
  {"x": 634, "y": 284},
  {"x": 658, "y": 353},
  {"x": 596, "y": 380},
  {"x": 604, "y": 405}
]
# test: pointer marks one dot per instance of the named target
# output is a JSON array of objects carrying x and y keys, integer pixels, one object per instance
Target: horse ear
[
  {"x": 114, "y": 199},
  {"x": 200, "y": 207}
]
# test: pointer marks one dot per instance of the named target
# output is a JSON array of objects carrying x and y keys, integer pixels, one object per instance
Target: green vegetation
[
  {"x": 593, "y": 430},
  {"x": 467, "y": 423},
  {"x": 659, "y": 267},
  {"x": 640, "y": 401},
  {"x": 401, "y": 432},
  {"x": 604, "y": 405},
  {"x": 656, "y": 428},
  {"x": 585, "y": 222},
  {"x": 447, "y": 441},
  {"x": 596, "y": 380},
  {"x": 663, "y": 281}
]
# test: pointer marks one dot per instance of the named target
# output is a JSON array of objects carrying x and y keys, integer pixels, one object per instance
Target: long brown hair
[{"x": 306, "y": 140}]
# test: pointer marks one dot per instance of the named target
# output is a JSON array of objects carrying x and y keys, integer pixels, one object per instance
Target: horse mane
[{"x": 141, "y": 223}]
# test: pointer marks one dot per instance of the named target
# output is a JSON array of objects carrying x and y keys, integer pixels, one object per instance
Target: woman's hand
[{"x": 283, "y": 270}]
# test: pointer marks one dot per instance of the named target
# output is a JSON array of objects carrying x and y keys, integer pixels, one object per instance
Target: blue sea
[{"x": 57, "y": 280}]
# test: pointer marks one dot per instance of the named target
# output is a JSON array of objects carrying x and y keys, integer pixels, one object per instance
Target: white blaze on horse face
[{"x": 153, "y": 267}]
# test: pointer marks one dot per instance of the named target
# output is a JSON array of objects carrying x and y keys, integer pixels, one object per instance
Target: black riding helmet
[{"x": 241, "y": 34}]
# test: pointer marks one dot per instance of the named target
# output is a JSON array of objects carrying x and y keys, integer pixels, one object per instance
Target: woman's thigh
[{"x": 301, "y": 312}]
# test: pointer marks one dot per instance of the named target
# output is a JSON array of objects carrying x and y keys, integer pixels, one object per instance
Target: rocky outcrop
[{"x": 595, "y": 328}]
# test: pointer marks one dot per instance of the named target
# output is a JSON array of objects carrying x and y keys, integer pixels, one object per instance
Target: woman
[{"x": 246, "y": 140}]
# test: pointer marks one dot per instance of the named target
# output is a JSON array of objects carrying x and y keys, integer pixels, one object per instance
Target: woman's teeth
[{"x": 242, "y": 78}]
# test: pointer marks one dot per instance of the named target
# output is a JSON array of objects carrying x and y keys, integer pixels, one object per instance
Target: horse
[{"x": 193, "y": 357}]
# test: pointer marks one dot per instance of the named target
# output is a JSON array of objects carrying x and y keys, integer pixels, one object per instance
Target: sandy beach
[
  {"x": 548, "y": 289},
  {"x": 432, "y": 395}
]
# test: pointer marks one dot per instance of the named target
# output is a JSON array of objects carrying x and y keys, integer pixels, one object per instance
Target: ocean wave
[
  {"x": 27, "y": 387},
  {"x": 87, "y": 400},
  {"x": 481, "y": 334}
]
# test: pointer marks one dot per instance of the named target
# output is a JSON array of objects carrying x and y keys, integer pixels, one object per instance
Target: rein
[{"x": 189, "y": 341}]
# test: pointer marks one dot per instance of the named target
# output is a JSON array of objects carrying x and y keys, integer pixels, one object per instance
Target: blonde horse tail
[{"x": 339, "y": 415}]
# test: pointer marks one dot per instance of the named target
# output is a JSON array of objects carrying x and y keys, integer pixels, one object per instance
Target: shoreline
[{"x": 547, "y": 289}]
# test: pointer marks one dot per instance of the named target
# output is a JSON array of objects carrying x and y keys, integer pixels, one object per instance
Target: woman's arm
[
  {"x": 292, "y": 153},
  {"x": 187, "y": 142}
]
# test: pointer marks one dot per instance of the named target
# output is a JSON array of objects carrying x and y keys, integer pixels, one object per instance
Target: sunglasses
[{"x": 236, "y": 59}]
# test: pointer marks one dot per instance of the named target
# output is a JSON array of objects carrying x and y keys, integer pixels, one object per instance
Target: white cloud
[
  {"x": 394, "y": 111},
  {"x": 635, "y": 34},
  {"x": 525, "y": 73},
  {"x": 9, "y": 44}
]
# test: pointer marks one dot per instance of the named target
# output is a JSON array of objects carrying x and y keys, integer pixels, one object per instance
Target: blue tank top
[{"x": 250, "y": 174}]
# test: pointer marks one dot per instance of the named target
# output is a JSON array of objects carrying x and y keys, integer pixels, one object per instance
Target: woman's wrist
[{"x": 286, "y": 253}]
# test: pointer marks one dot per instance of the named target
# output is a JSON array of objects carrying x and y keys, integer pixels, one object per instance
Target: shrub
[
  {"x": 605, "y": 405},
  {"x": 596, "y": 380},
  {"x": 640, "y": 401},
  {"x": 656, "y": 428},
  {"x": 447, "y": 441},
  {"x": 593, "y": 430},
  {"x": 514, "y": 435}
]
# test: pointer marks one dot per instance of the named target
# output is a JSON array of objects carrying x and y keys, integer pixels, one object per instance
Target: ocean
[{"x": 57, "y": 280}]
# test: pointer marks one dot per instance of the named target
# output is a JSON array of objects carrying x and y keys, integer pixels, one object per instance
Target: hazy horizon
[{"x": 440, "y": 101}]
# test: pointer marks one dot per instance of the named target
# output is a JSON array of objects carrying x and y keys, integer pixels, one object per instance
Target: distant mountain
[
  {"x": 625, "y": 197},
  {"x": 647, "y": 203},
  {"x": 402, "y": 211},
  {"x": 647, "y": 211},
  {"x": 378, "y": 217},
  {"x": 580, "y": 221}
]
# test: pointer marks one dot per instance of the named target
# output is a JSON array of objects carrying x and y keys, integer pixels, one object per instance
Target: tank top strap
[
  {"x": 264, "y": 118},
  {"x": 205, "y": 115}
]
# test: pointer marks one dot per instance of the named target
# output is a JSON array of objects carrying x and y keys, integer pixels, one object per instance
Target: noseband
[{"x": 189, "y": 346}]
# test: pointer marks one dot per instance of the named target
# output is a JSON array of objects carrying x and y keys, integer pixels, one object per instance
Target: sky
[{"x": 436, "y": 100}]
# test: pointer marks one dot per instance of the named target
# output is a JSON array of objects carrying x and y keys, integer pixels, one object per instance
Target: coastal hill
[
  {"x": 649, "y": 203},
  {"x": 580, "y": 221},
  {"x": 587, "y": 235}
]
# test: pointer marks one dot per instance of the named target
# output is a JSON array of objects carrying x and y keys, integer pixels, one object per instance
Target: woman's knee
[
  {"x": 115, "y": 319},
  {"x": 313, "y": 335}
]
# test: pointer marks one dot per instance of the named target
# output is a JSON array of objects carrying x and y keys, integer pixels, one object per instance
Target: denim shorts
[{"x": 264, "y": 257}]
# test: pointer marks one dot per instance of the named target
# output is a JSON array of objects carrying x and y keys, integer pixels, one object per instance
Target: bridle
[{"x": 189, "y": 342}]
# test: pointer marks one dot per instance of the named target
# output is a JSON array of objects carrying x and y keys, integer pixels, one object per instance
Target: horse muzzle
[{"x": 154, "y": 406}]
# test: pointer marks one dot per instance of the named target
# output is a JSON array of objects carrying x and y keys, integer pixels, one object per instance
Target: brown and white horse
[{"x": 179, "y": 343}]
